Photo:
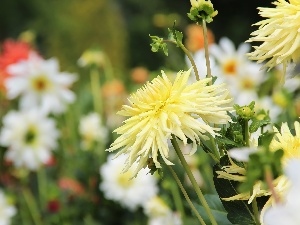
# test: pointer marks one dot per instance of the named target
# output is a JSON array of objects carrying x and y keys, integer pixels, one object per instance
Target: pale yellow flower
[
  {"x": 162, "y": 108},
  {"x": 285, "y": 140},
  {"x": 236, "y": 173},
  {"x": 280, "y": 34}
]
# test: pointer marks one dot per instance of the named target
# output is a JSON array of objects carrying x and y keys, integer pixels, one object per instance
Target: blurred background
[
  {"x": 117, "y": 32},
  {"x": 121, "y": 28}
]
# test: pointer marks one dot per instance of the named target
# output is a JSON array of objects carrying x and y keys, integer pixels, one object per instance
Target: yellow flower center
[
  {"x": 230, "y": 67},
  {"x": 247, "y": 83},
  {"x": 124, "y": 179},
  {"x": 30, "y": 135},
  {"x": 40, "y": 83}
]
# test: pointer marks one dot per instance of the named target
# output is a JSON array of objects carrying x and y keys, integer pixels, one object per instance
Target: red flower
[
  {"x": 12, "y": 52},
  {"x": 53, "y": 206}
]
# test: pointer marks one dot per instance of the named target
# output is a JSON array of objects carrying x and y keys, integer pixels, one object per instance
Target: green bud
[
  {"x": 246, "y": 112},
  {"x": 202, "y": 10}
]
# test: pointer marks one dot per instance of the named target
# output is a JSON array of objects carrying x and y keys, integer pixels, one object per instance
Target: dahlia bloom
[
  {"x": 287, "y": 212},
  {"x": 285, "y": 140},
  {"x": 117, "y": 186},
  {"x": 242, "y": 75},
  {"x": 91, "y": 130},
  {"x": 40, "y": 84},
  {"x": 6, "y": 210},
  {"x": 159, "y": 213},
  {"x": 279, "y": 33},
  {"x": 161, "y": 109},
  {"x": 30, "y": 137}
]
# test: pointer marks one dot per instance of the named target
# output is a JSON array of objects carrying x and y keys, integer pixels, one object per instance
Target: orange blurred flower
[
  {"x": 71, "y": 185},
  {"x": 139, "y": 75},
  {"x": 113, "y": 89},
  {"x": 114, "y": 95},
  {"x": 195, "y": 38}
]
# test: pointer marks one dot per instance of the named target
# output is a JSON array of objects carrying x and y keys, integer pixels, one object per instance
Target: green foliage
[
  {"x": 157, "y": 44},
  {"x": 239, "y": 211},
  {"x": 176, "y": 36},
  {"x": 231, "y": 136},
  {"x": 261, "y": 162},
  {"x": 261, "y": 119},
  {"x": 217, "y": 209}
]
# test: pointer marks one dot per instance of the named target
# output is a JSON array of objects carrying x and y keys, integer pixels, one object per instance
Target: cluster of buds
[{"x": 202, "y": 10}]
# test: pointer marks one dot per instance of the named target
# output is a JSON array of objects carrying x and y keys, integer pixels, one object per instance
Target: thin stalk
[
  {"x": 215, "y": 150},
  {"x": 70, "y": 122},
  {"x": 190, "y": 57},
  {"x": 247, "y": 136},
  {"x": 41, "y": 176},
  {"x": 193, "y": 180},
  {"x": 96, "y": 91},
  {"x": 255, "y": 211},
  {"x": 32, "y": 207},
  {"x": 108, "y": 69},
  {"x": 269, "y": 180},
  {"x": 186, "y": 196},
  {"x": 206, "y": 49},
  {"x": 214, "y": 157},
  {"x": 177, "y": 200}
]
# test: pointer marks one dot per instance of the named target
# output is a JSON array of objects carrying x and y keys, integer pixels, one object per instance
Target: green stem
[
  {"x": 32, "y": 207},
  {"x": 186, "y": 196},
  {"x": 193, "y": 180},
  {"x": 247, "y": 136},
  {"x": 269, "y": 180},
  {"x": 215, "y": 151},
  {"x": 206, "y": 49},
  {"x": 177, "y": 200},
  {"x": 190, "y": 57},
  {"x": 41, "y": 176},
  {"x": 255, "y": 211},
  {"x": 96, "y": 91},
  {"x": 70, "y": 122},
  {"x": 108, "y": 69}
]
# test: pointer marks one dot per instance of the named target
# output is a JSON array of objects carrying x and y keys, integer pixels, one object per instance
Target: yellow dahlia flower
[
  {"x": 279, "y": 33},
  {"x": 162, "y": 108},
  {"x": 286, "y": 141}
]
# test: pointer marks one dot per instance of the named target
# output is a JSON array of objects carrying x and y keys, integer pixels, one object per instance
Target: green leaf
[
  {"x": 226, "y": 141},
  {"x": 157, "y": 44},
  {"x": 217, "y": 209},
  {"x": 266, "y": 138},
  {"x": 239, "y": 212},
  {"x": 231, "y": 136},
  {"x": 261, "y": 119},
  {"x": 175, "y": 36}
]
